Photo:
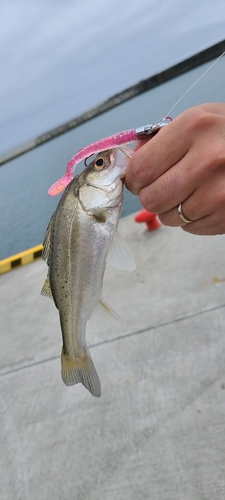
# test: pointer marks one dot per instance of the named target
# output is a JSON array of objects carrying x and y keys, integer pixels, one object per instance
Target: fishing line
[{"x": 195, "y": 83}]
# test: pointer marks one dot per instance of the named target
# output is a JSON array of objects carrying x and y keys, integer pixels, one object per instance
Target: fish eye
[{"x": 101, "y": 162}]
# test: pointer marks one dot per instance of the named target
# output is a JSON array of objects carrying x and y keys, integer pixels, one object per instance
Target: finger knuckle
[
  {"x": 167, "y": 219},
  {"x": 148, "y": 202}
]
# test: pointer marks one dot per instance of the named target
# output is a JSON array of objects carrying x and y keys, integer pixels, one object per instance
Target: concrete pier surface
[{"x": 158, "y": 430}]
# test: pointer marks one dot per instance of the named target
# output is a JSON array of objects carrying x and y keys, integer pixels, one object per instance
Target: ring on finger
[{"x": 182, "y": 216}]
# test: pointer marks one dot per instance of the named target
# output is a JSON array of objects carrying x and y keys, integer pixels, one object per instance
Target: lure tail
[{"x": 81, "y": 370}]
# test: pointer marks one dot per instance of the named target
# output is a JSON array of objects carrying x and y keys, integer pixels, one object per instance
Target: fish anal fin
[
  {"x": 81, "y": 370},
  {"x": 107, "y": 311},
  {"x": 119, "y": 254},
  {"x": 46, "y": 289},
  {"x": 102, "y": 316}
]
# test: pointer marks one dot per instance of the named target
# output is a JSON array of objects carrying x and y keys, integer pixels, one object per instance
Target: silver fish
[{"x": 81, "y": 236}]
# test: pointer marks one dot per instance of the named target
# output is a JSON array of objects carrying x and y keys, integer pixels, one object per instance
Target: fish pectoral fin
[
  {"x": 119, "y": 255},
  {"x": 46, "y": 289},
  {"x": 81, "y": 370}
]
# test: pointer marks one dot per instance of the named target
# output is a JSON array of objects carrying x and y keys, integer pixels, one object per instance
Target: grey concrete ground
[{"x": 158, "y": 431}]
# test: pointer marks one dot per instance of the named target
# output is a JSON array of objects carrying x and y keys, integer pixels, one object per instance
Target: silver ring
[{"x": 179, "y": 209}]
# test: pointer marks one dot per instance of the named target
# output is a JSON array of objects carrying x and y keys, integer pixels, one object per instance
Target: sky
[{"x": 59, "y": 58}]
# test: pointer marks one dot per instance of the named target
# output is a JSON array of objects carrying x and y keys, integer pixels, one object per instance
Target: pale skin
[{"x": 184, "y": 163}]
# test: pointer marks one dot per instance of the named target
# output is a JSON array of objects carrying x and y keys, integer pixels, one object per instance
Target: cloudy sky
[{"x": 59, "y": 58}]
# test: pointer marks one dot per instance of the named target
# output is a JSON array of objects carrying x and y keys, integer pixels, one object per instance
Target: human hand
[{"x": 184, "y": 163}]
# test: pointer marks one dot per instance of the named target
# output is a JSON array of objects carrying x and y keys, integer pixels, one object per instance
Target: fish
[{"x": 81, "y": 237}]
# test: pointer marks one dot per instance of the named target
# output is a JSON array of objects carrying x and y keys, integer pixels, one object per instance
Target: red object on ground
[{"x": 149, "y": 218}]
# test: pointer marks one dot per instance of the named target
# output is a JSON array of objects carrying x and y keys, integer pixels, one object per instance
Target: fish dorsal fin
[
  {"x": 119, "y": 255},
  {"x": 46, "y": 289},
  {"x": 46, "y": 252}
]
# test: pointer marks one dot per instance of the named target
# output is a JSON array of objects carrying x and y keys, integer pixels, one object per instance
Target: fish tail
[{"x": 81, "y": 370}]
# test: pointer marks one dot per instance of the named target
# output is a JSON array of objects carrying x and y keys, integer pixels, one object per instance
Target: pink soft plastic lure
[{"x": 112, "y": 141}]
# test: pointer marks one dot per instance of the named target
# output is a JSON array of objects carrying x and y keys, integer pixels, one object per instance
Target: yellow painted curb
[{"x": 20, "y": 259}]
